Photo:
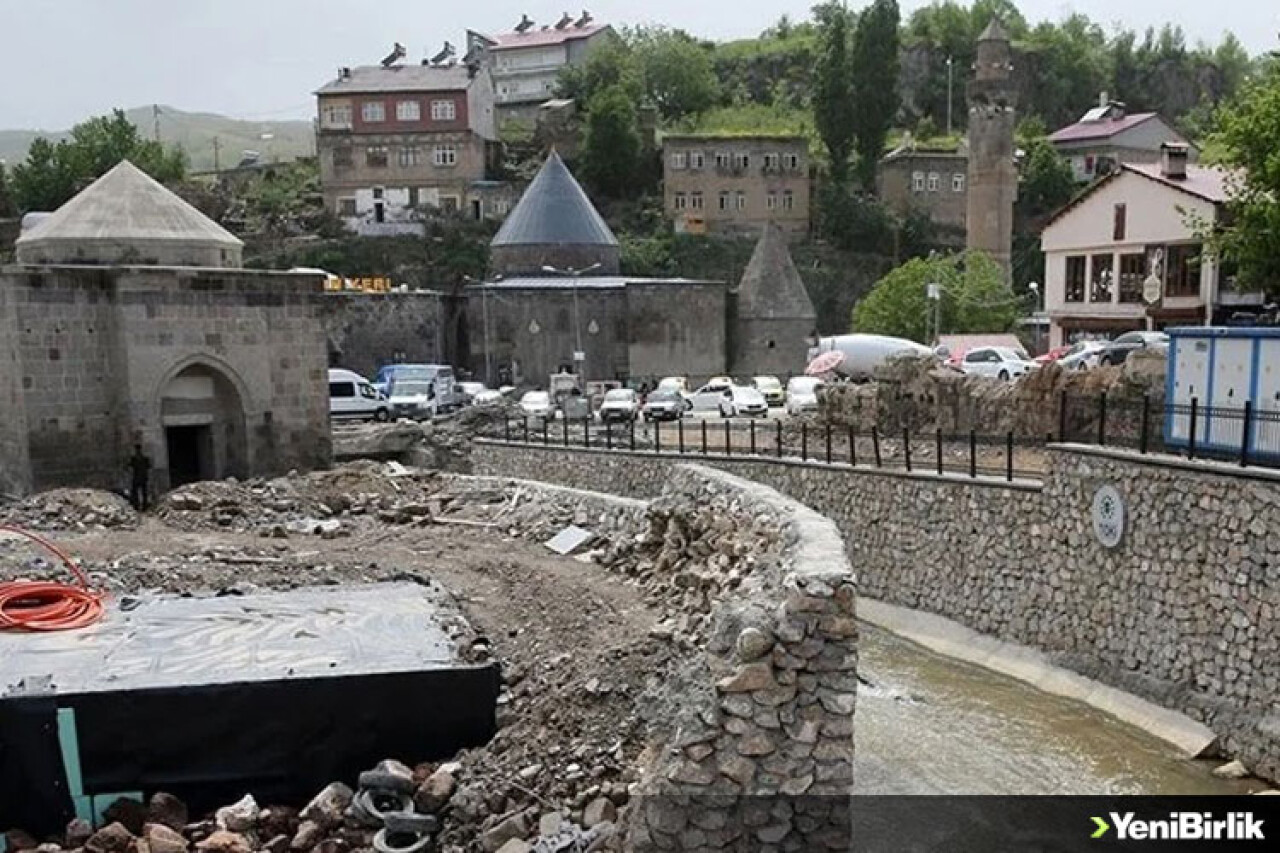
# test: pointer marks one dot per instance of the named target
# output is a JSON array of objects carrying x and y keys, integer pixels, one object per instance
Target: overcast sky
[{"x": 261, "y": 59}]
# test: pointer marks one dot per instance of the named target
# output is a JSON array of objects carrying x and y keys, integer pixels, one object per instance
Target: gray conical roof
[
  {"x": 995, "y": 31},
  {"x": 554, "y": 211},
  {"x": 771, "y": 287},
  {"x": 126, "y": 216}
]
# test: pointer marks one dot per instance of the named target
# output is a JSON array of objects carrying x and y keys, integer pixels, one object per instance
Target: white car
[
  {"x": 802, "y": 394},
  {"x": 620, "y": 404},
  {"x": 997, "y": 362},
  {"x": 739, "y": 400},
  {"x": 709, "y": 396},
  {"x": 351, "y": 396},
  {"x": 771, "y": 388},
  {"x": 412, "y": 397},
  {"x": 1083, "y": 355},
  {"x": 673, "y": 383},
  {"x": 536, "y": 404},
  {"x": 478, "y": 394}
]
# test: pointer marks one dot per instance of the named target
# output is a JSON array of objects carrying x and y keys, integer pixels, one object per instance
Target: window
[
  {"x": 342, "y": 389},
  {"x": 336, "y": 116},
  {"x": 724, "y": 201},
  {"x": 373, "y": 112},
  {"x": 917, "y": 182},
  {"x": 792, "y": 161},
  {"x": 1103, "y": 273},
  {"x": 377, "y": 192},
  {"x": 722, "y": 159},
  {"x": 449, "y": 203},
  {"x": 342, "y": 157},
  {"x": 681, "y": 201},
  {"x": 443, "y": 111},
  {"x": 408, "y": 111},
  {"x": 1117, "y": 229},
  {"x": 410, "y": 155},
  {"x": 788, "y": 200},
  {"x": 741, "y": 161},
  {"x": 445, "y": 155},
  {"x": 1088, "y": 164},
  {"x": 1133, "y": 271},
  {"x": 771, "y": 201},
  {"x": 1073, "y": 282},
  {"x": 957, "y": 182},
  {"x": 696, "y": 159},
  {"x": 346, "y": 207},
  {"x": 741, "y": 199},
  {"x": 678, "y": 160},
  {"x": 376, "y": 156},
  {"x": 695, "y": 201},
  {"x": 771, "y": 162},
  {"x": 413, "y": 197},
  {"x": 934, "y": 182},
  {"x": 1182, "y": 270}
]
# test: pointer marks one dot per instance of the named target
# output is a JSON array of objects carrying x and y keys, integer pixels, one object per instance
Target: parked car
[
  {"x": 864, "y": 354},
  {"x": 664, "y": 405},
  {"x": 352, "y": 397},
  {"x": 620, "y": 404},
  {"x": 771, "y": 388},
  {"x": 739, "y": 400},
  {"x": 998, "y": 362},
  {"x": 708, "y": 397},
  {"x": 802, "y": 394},
  {"x": 536, "y": 404},
  {"x": 412, "y": 397},
  {"x": 1082, "y": 355},
  {"x": 446, "y": 396},
  {"x": 673, "y": 383},
  {"x": 477, "y": 394},
  {"x": 1118, "y": 350},
  {"x": 1053, "y": 354}
]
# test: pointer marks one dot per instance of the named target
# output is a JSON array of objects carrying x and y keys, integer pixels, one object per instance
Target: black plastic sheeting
[{"x": 281, "y": 741}]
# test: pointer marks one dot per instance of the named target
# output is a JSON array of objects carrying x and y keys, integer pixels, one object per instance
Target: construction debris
[{"x": 70, "y": 509}]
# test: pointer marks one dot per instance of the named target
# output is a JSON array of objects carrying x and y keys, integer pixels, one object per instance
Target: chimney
[
  {"x": 1104, "y": 99},
  {"x": 1173, "y": 160}
]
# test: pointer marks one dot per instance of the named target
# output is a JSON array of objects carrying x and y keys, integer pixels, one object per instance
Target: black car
[{"x": 1118, "y": 350}]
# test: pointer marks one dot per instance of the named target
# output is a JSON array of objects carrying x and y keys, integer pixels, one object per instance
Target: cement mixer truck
[{"x": 864, "y": 353}]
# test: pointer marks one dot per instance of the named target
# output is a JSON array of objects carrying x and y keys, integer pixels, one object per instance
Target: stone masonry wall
[
  {"x": 1182, "y": 612},
  {"x": 367, "y": 330},
  {"x": 14, "y": 467}
]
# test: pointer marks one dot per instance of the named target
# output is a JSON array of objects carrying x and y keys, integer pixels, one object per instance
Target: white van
[{"x": 351, "y": 396}]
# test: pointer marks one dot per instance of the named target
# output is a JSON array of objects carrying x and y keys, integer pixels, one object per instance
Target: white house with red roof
[
  {"x": 525, "y": 63},
  {"x": 1127, "y": 253},
  {"x": 1109, "y": 135}
]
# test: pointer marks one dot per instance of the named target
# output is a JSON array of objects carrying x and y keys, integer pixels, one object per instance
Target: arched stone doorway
[{"x": 202, "y": 416}]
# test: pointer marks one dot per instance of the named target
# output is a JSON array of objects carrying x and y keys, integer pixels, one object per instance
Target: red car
[{"x": 1053, "y": 354}]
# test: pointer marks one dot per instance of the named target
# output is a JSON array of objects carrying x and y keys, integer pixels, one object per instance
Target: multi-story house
[
  {"x": 932, "y": 182},
  {"x": 397, "y": 140},
  {"x": 526, "y": 62},
  {"x": 1108, "y": 135},
  {"x": 736, "y": 184},
  {"x": 1128, "y": 253}
]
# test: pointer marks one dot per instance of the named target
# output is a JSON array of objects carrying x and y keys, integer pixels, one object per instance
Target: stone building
[
  {"x": 775, "y": 319},
  {"x": 127, "y": 318},
  {"x": 735, "y": 184},
  {"x": 393, "y": 140},
  {"x": 993, "y": 175},
  {"x": 930, "y": 182}
]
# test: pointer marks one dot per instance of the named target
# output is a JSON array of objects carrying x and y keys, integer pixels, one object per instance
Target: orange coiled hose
[{"x": 46, "y": 605}]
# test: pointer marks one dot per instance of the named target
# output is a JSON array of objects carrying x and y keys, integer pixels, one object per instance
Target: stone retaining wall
[{"x": 1182, "y": 612}]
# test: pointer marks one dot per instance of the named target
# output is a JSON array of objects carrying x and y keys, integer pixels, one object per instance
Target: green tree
[
  {"x": 611, "y": 64},
  {"x": 974, "y": 298},
  {"x": 611, "y": 143},
  {"x": 52, "y": 174},
  {"x": 7, "y": 207},
  {"x": 1247, "y": 142},
  {"x": 679, "y": 79},
  {"x": 1046, "y": 183},
  {"x": 833, "y": 106},
  {"x": 875, "y": 70}
]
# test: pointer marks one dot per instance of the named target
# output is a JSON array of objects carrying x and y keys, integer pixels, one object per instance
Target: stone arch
[{"x": 202, "y": 405}]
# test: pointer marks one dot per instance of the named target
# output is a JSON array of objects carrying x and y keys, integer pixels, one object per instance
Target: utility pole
[
  {"x": 579, "y": 355},
  {"x": 933, "y": 292},
  {"x": 949, "y": 77}
]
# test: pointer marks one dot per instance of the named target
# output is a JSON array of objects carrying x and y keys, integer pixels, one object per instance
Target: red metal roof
[
  {"x": 1104, "y": 129},
  {"x": 543, "y": 38}
]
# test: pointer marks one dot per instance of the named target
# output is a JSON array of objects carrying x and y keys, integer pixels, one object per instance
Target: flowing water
[{"x": 928, "y": 724}]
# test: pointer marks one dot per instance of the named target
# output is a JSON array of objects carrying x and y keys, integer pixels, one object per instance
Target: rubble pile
[
  {"x": 443, "y": 443},
  {"x": 70, "y": 509}
]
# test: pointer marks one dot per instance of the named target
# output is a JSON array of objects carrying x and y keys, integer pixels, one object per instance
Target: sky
[{"x": 261, "y": 59}]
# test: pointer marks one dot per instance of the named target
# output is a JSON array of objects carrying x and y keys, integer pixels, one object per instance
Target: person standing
[{"x": 139, "y": 478}]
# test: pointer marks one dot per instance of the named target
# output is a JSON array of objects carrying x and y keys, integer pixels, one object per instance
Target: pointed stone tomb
[
  {"x": 771, "y": 287},
  {"x": 127, "y": 217}
]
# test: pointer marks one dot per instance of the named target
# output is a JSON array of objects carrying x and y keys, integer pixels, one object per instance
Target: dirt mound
[{"x": 70, "y": 509}]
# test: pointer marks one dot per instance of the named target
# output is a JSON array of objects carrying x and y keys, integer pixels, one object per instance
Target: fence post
[
  {"x": 973, "y": 453},
  {"x": 1008, "y": 456},
  {"x": 804, "y": 441},
  {"x": 633, "y": 435},
  {"x": 752, "y": 425},
  {"x": 906, "y": 446},
  {"x": 1244, "y": 439},
  {"x": 853, "y": 446},
  {"x": 1102, "y": 419},
  {"x": 506, "y": 428},
  {"x": 586, "y": 432},
  {"x": 875, "y": 444},
  {"x": 1062, "y": 415},
  {"x": 704, "y": 436},
  {"x": 1146, "y": 423},
  {"x": 680, "y": 434},
  {"x": 1191, "y": 435},
  {"x": 526, "y": 429},
  {"x": 778, "y": 436},
  {"x": 938, "y": 448},
  {"x": 657, "y": 436},
  {"x": 728, "y": 436},
  {"x": 828, "y": 442},
  {"x": 546, "y": 431},
  {"x": 608, "y": 435}
]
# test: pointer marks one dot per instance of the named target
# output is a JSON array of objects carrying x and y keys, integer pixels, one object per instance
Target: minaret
[{"x": 993, "y": 177}]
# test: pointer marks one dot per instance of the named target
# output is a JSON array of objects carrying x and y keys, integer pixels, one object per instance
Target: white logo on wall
[{"x": 1108, "y": 516}]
